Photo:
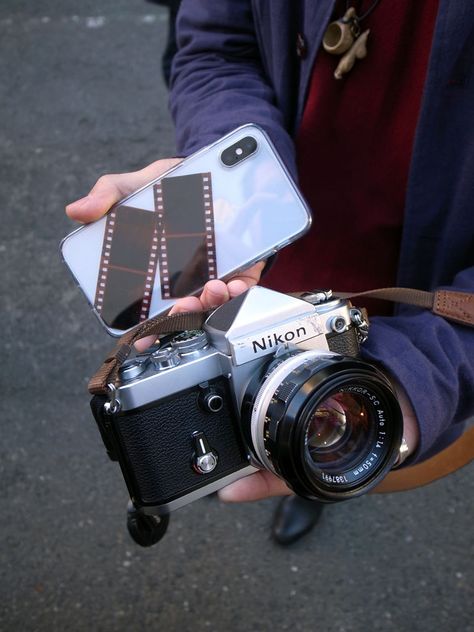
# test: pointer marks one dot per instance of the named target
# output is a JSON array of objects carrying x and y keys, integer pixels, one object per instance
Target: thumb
[
  {"x": 105, "y": 193},
  {"x": 257, "y": 486}
]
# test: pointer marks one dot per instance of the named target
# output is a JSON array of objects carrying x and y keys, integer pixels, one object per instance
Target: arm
[
  {"x": 218, "y": 81},
  {"x": 433, "y": 360}
]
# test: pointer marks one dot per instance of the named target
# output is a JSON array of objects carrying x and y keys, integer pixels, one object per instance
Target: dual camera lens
[{"x": 239, "y": 151}]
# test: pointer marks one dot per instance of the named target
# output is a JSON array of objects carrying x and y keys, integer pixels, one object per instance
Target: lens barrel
[{"x": 329, "y": 425}]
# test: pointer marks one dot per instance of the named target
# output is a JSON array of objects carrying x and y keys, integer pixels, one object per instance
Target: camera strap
[
  {"x": 452, "y": 305},
  {"x": 108, "y": 372},
  {"x": 455, "y": 306}
]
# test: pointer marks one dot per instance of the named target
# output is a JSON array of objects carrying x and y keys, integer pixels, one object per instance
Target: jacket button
[{"x": 301, "y": 46}]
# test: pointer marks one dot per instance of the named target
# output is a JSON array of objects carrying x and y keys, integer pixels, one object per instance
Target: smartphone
[{"x": 218, "y": 212}]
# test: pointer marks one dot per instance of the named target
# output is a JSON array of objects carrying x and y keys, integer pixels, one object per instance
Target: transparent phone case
[{"x": 218, "y": 212}]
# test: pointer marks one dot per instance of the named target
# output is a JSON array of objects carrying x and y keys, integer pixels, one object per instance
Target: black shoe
[{"x": 294, "y": 518}]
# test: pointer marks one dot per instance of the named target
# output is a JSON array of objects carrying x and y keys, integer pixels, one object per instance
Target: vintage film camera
[{"x": 272, "y": 381}]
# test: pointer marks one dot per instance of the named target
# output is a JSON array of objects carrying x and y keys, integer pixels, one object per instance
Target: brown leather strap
[
  {"x": 108, "y": 372},
  {"x": 455, "y": 306},
  {"x": 455, "y": 456}
]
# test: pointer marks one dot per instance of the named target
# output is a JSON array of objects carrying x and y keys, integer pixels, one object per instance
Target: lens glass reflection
[{"x": 339, "y": 431}]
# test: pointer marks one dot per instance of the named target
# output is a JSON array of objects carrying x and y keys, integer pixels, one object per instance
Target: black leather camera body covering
[{"x": 154, "y": 447}]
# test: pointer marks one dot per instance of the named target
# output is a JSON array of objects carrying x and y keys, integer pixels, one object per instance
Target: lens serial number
[{"x": 329, "y": 478}]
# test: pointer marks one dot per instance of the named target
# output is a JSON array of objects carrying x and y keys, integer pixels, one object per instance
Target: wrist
[{"x": 411, "y": 430}]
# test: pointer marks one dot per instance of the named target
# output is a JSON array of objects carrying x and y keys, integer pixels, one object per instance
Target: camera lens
[
  {"x": 239, "y": 151},
  {"x": 329, "y": 425}
]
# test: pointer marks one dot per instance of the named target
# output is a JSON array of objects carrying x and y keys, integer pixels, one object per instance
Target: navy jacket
[{"x": 237, "y": 63}]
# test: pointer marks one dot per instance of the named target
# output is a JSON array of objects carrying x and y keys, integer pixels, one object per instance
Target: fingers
[
  {"x": 215, "y": 293},
  {"x": 144, "y": 343},
  {"x": 109, "y": 189},
  {"x": 236, "y": 287},
  {"x": 257, "y": 486},
  {"x": 187, "y": 304},
  {"x": 251, "y": 276}
]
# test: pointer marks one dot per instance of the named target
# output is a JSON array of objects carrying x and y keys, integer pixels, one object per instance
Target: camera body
[{"x": 205, "y": 408}]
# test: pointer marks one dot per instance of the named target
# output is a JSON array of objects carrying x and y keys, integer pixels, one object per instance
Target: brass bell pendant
[{"x": 340, "y": 35}]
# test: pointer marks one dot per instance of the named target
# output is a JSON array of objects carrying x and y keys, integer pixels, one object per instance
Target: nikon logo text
[
  {"x": 307, "y": 329},
  {"x": 272, "y": 340}
]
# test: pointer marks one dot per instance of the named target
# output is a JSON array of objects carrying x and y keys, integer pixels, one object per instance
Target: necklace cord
[{"x": 364, "y": 15}]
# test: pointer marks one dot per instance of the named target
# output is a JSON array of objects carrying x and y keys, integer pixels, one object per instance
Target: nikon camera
[{"x": 273, "y": 382}]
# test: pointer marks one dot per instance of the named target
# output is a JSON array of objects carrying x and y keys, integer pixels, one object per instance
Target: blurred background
[{"x": 81, "y": 94}]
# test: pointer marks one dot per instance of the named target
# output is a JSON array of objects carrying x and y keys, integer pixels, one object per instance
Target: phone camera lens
[
  {"x": 250, "y": 145},
  {"x": 239, "y": 151}
]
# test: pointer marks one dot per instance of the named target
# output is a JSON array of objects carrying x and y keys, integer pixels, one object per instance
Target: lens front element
[
  {"x": 339, "y": 430},
  {"x": 327, "y": 425}
]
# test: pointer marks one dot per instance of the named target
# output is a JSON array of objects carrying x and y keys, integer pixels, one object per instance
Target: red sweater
[{"x": 353, "y": 151}]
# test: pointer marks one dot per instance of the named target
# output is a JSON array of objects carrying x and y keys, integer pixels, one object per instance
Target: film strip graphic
[
  {"x": 186, "y": 233},
  {"x": 150, "y": 276},
  {"x": 127, "y": 267}
]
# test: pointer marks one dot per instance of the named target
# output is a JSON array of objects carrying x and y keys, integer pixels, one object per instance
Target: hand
[
  {"x": 217, "y": 292},
  {"x": 214, "y": 293},
  {"x": 257, "y": 486},
  {"x": 109, "y": 189},
  {"x": 411, "y": 429}
]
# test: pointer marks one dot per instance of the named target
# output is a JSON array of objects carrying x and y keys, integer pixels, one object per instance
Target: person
[{"x": 384, "y": 156}]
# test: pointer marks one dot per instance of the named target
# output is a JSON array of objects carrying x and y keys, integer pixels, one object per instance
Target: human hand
[
  {"x": 262, "y": 484},
  {"x": 111, "y": 188},
  {"x": 217, "y": 292},
  {"x": 214, "y": 293},
  {"x": 411, "y": 429}
]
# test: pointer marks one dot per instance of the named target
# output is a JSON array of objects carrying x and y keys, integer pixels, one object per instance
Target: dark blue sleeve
[
  {"x": 433, "y": 359},
  {"x": 218, "y": 81}
]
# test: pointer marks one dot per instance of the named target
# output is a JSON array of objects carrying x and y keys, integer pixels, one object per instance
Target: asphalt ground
[{"x": 81, "y": 94}]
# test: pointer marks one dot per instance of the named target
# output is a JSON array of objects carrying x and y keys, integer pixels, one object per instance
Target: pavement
[{"x": 81, "y": 94}]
